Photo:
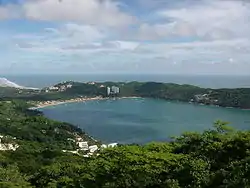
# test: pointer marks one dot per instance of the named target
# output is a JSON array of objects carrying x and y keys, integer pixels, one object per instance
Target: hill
[
  {"x": 237, "y": 98},
  {"x": 217, "y": 158}
]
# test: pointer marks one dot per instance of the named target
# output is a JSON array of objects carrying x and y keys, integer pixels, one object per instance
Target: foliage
[
  {"x": 216, "y": 158},
  {"x": 10, "y": 177},
  {"x": 238, "y": 97}
]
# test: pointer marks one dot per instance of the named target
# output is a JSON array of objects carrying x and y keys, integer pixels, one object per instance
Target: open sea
[
  {"x": 141, "y": 120},
  {"x": 198, "y": 80}
]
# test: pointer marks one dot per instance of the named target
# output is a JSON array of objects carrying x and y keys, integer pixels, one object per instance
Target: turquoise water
[{"x": 143, "y": 120}]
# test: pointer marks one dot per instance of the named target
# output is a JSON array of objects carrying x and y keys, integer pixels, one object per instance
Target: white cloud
[
  {"x": 165, "y": 30},
  {"x": 125, "y": 45},
  {"x": 204, "y": 20},
  {"x": 103, "y": 13},
  {"x": 220, "y": 30},
  {"x": 70, "y": 38},
  {"x": 80, "y": 33},
  {"x": 10, "y": 11},
  {"x": 212, "y": 19}
]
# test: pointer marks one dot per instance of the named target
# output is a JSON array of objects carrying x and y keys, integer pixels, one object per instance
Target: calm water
[
  {"x": 143, "y": 120},
  {"x": 202, "y": 81}
]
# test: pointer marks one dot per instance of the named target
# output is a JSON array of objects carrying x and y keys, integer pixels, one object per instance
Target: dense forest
[
  {"x": 219, "y": 157},
  {"x": 238, "y": 98}
]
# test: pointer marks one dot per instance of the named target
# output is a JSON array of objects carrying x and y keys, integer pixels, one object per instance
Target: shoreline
[{"x": 45, "y": 104}]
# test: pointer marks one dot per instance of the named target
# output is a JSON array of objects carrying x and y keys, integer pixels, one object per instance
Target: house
[
  {"x": 7, "y": 146},
  {"x": 69, "y": 86},
  {"x": 79, "y": 139},
  {"x": 93, "y": 148},
  {"x": 200, "y": 97},
  {"x": 104, "y": 146},
  {"x": 112, "y": 145},
  {"x": 70, "y": 139},
  {"x": 115, "y": 89},
  {"x": 83, "y": 145},
  {"x": 52, "y": 88},
  {"x": 62, "y": 88}
]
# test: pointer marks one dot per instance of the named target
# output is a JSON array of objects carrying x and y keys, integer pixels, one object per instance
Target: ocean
[
  {"x": 141, "y": 121},
  {"x": 40, "y": 81}
]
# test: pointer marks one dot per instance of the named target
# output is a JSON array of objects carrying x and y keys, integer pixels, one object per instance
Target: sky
[{"x": 125, "y": 36}]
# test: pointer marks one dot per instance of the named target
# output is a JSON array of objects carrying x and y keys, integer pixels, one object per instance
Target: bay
[{"x": 143, "y": 120}]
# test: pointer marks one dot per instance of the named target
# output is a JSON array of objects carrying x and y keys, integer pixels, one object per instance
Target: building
[
  {"x": 69, "y": 86},
  {"x": 83, "y": 145},
  {"x": 93, "y": 148},
  {"x": 62, "y": 88},
  {"x": 79, "y": 139},
  {"x": 115, "y": 89},
  {"x": 108, "y": 91},
  {"x": 104, "y": 146},
  {"x": 7, "y": 146},
  {"x": 112, "y": 145},
  {"x": 52, "y": 88}
]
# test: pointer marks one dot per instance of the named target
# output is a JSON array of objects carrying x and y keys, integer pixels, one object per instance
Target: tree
[{"x": 10, "y": 177}]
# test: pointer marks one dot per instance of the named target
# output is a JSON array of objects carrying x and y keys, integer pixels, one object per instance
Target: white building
[
  {"x": 79, "y": 139},
  {"x": 69, "y": 86},
  {"x": 7, "y": 146},
  {"x": 104, "y": 146},
  {"x": 93, "y": 148},
  {"x": 53, "y": 88},
  {"x": 62, "y": 88},
  {"x": 83, "y": 145},
  {"x": 112, "y": 145},
  {"x": 108, "y": 91},
  {"x": 115, "y": 89}
]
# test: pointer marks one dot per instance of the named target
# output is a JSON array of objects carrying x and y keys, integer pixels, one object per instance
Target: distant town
[
  {"x": 111, "y": 91},
  {"x": 8, "y": 143},
  {"x": 87, "y": 150}
]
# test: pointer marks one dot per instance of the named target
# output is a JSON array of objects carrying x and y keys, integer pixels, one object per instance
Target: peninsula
[{"x": 70, "y": 91}]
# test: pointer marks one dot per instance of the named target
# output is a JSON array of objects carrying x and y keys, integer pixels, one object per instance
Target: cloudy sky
[{"x": 125, "y": 36}]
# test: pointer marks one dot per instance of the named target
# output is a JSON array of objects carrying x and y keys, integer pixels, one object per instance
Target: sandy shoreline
[{"x": 58, "y": 102}]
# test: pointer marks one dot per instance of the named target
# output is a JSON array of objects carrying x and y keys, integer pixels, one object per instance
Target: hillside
[
  {"x": 237, "y": 98},
  {"x": 217, "y": 158}
]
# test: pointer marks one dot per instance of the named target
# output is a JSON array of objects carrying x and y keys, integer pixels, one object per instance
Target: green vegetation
[
  {"x": 216, "y": 158},
  {"x": 30, "y": 126},
  {"x": 238, "y": 98}
]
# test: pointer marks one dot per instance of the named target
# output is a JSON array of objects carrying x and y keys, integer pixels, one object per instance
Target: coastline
[{"x": 44, "y": 104}]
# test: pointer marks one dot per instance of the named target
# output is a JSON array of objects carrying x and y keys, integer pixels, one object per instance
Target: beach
[{"x": 43, "y": 104}]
